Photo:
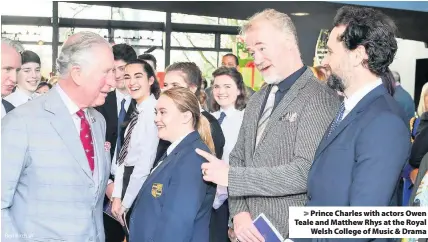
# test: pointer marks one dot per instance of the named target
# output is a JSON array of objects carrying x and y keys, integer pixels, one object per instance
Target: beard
[{"x": 336, "y": 83}]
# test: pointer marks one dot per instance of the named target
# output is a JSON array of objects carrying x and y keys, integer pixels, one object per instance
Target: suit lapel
[
  {"x": 356, "y": 111},
  {"x": 111, "y": 106},
  {"x": 285, "y": 102},
  {"x": 97, "y": 140},
  {"x": 190, "y": 138},
  {"x": 257, "y": 112},
  {"x": 63, "y": 124}
]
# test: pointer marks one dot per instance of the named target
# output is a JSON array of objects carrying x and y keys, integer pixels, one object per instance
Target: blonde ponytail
[{"x": 204, "y": 130}]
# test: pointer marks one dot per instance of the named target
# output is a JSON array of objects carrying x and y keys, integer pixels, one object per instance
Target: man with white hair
[
  {"x": 283, "y": 124},
  {"x": 55, "y": 162},
  {"x": 10, "y": 64}
]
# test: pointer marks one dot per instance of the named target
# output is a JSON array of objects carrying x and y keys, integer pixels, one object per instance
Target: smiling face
[
  {"x": 170, "y": 121},
  {"x": 29, "y": 76},
  {"x": 268, "y": 46},
  {"x": 225, "y": 91},
  {"x": 137, "y": 82}
]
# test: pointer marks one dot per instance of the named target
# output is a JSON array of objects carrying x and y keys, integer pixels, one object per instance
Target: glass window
[
  {"x": 138, "y": 37},
  {"x": 231, "y": 22},
  {"x": 206, "y": 60},
  {"x": 27, "y": 33},
  {"x": 193, "y": 19},
  {"x": 192, "y": 40},
  {"x": 227, "y": 41},
  {"x": 64, "y": 33},
  {"x": 31, "y": 8},
  {"x": 45, "y": 54},
  {"x": 159, "y": 54},
  {"x": 129, "y": 14},
  {"x": 83, "y": 11}
]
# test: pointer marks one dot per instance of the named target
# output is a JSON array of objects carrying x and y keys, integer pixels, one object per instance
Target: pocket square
[
  {"x": 107, "y": 146},
  {"x": 290, "y": 117}
]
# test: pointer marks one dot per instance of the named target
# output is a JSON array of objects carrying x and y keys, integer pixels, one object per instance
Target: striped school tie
[{"x": 124, "y": 150}]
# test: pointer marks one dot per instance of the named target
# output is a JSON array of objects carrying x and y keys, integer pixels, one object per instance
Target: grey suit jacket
[
  {"x": 272, "y": 177},
  {"x": 48, "y": 191}
]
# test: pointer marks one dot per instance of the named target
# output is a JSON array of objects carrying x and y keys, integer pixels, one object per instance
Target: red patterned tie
[{"x": 86, "y": 138}]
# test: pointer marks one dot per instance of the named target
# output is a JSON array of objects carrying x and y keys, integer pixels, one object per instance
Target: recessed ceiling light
[{"x": 300, "y": 14}]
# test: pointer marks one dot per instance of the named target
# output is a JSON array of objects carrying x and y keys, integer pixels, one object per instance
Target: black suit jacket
[
  {"x": 7, "y": 105},
  {"x": 109, "y": 111},
  {"x": 216, "y": 132}
]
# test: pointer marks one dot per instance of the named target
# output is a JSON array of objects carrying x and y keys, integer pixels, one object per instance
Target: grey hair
[
  {"x": 280, "y": 20},
  {"x": 76, "y": 52},
  {"x": 14, "y": 44}
]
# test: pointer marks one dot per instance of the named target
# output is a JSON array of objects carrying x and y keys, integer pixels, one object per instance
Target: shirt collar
[
  {"x": 71, "y": 106},
  {"x": 290, "y": 80},
  {"x": 229, "y": 112},
  {"x": 175, "y": 144},
  {"x": 148, "y": 103},
  {"x": 21, "y": 93},
  {"x": 120, "y": 96},
  {"x": 353, "y": 100}
]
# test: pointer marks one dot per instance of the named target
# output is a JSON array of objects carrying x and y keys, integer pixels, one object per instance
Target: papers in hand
[
  {"x": 107, "y": 210},
  {"x": 267, "y": 230}
]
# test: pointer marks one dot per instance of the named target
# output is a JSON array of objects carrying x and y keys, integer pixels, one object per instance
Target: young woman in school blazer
[{"x": 175, "y": 203}]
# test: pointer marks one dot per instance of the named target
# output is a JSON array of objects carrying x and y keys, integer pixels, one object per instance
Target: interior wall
[{"x": 405, "y": 62}]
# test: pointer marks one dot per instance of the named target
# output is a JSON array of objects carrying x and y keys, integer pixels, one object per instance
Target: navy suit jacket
[
  {"x": 174, "y": 203},
  {"x": 359, "y": 164}
]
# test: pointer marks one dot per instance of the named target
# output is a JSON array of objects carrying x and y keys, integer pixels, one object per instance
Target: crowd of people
[{"x": 107, "y": 154}]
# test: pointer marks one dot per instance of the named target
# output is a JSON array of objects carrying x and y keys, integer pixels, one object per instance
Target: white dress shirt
[
  {"x": 141, "y": 152},
  {"x": 3, "y": 110},
  {"x": 353, "y": 100},
  {"x": 18, "y": 97},
  {"x": 119, "y": 97},
  {"x": 73, "y": 108},
  {"x": 230, "y": 126},
  {"x": 170, "y": 149}
]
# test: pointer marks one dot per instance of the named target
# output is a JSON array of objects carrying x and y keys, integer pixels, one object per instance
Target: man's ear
[
  {"x": 359, "y": 55},
  {"x": 76, "y": 75}
]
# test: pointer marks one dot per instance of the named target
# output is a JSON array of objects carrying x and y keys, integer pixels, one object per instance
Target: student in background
[
  {"x": 138, "y": 150},
  {"x": 175, "y": 203},
  {"x": 43, "y": 88},
  {"x": 229, "y": 103},
  {"x": 28, "y": 79},
  {"x": 188, "y": 75}
]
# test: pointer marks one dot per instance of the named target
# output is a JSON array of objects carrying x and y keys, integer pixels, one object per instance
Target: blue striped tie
[
  {"x": 124, "y": 150},
  {"x": 122, "y": 114},
  {"x": 338, "y": 119},
  {"x": 221, "y": 118}
]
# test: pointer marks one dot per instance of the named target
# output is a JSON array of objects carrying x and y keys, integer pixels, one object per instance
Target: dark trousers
[
  {"x": 126, "y": 177},
  {"x": 219, "y": 223},
  {"x": 113, "y": 230}
]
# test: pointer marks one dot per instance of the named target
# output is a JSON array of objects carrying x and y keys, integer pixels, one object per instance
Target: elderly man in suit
[
  {"x": 55, "y": 164},
  {"x": 10, "y": 64},
  {"x": 117, "y": 111},
  {"x": 283, "y": 124}
]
